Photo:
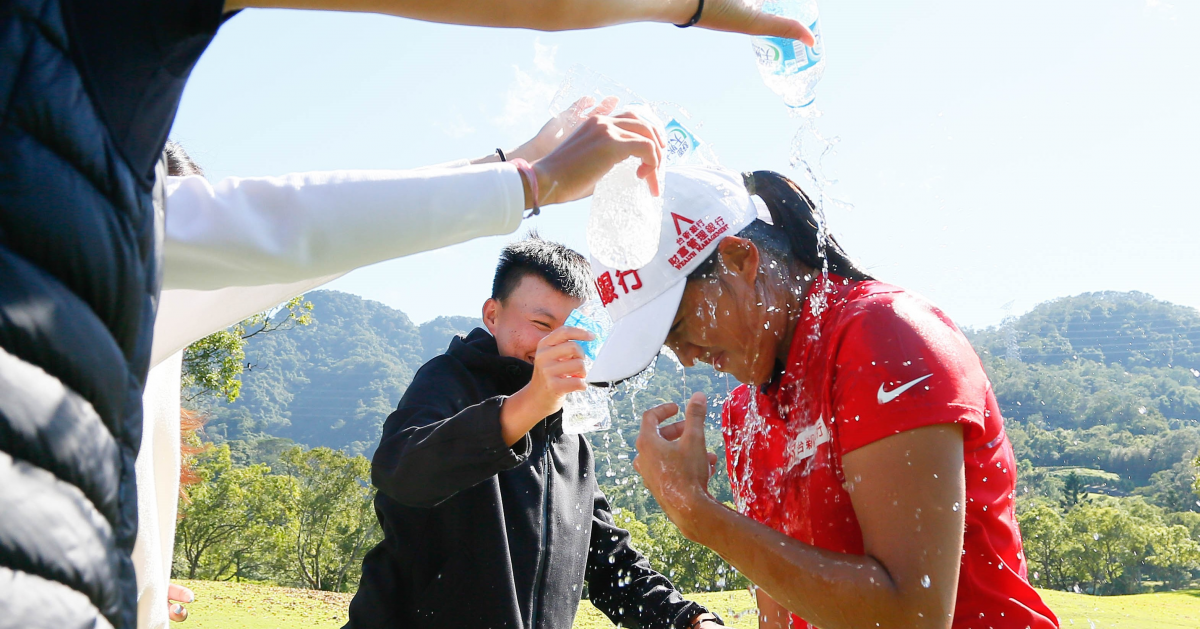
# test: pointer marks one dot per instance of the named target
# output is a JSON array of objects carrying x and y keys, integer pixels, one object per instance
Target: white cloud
[{"x": 527, "y": 101}]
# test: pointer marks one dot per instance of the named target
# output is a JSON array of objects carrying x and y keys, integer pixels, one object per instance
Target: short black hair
[{"x": 561, "y": 267}]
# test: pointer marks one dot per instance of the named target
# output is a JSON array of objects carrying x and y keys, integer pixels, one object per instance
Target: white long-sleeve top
[{"x": 246, "y": 245}]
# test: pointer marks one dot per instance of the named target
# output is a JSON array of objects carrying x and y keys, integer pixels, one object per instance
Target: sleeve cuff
[
  {"x": 514, "y": 455},
  {"x": 684, "y": 619}
]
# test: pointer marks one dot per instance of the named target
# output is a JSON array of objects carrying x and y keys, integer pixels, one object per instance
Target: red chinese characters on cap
[
  {"x": 608, "y": 290},
  {"x": 604, "y": 286},
  {"x": 695, "y": 238},
  {"x": 636, "y": 281}
]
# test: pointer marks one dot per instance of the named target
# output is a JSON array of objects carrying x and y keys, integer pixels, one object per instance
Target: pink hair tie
[{"x": 530, "y": 176}]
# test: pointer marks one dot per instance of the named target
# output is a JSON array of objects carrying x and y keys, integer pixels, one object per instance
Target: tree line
[
  {"x": 304, "y": 521},
  {"x": 1105, "y": 545}
]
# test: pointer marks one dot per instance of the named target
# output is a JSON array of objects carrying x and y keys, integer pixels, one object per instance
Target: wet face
[
  {"x": 531, "y": 311},
  {"x": 740, "y": 318}
]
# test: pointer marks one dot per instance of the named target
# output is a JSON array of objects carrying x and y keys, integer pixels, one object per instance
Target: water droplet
[
  {"x": 955, "y": 507},
  {"x": 925, "y": 581}
]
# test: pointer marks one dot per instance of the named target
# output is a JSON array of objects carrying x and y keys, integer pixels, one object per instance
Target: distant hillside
[
  {"x": 332, "y": 383},
  {"x": 1104, "y": 381},
  {"x": 1130, "y": 329},
  {"x": 1097, "y": 359}
]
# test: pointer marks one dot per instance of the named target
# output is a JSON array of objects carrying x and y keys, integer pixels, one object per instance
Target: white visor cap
[{"x": 701, "y": 207}]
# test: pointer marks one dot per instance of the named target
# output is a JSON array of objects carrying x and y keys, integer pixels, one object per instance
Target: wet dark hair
[
  {"x": 562, "y": 267},
  {"x": 793, "y": 230},
  {"x": 179, "y": 163}
]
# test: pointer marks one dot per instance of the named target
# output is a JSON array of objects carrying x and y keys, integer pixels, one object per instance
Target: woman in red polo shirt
[{"x": 873, "y": 480}]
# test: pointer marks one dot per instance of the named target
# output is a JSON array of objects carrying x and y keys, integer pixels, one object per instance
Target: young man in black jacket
[{"x": 492, "y": 517}]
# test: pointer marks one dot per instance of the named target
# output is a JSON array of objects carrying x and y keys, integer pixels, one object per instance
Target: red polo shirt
[{"x": 876, "y": 361}]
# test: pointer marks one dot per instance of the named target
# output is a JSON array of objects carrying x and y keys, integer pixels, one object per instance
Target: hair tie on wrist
[
  {"x": 695, "y": 18},
  {"x": 500, "y": 152},
  {"x": 530, "y": 176}
]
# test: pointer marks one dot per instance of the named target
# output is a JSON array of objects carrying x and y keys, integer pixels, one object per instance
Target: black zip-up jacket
[{"x": 481, "y": 535}]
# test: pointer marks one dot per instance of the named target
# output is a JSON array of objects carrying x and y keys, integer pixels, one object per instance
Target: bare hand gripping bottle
[
  {"x": 625, "y": 218},
  {"x": 788, "y": 67}
]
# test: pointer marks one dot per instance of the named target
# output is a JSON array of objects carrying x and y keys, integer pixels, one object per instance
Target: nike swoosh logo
[{"x": 887, "y": 396}]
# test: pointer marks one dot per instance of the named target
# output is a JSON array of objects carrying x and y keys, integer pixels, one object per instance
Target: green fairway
[
  {"x": 221, "y": 605},
  {"x": 1152, "y": 611}
]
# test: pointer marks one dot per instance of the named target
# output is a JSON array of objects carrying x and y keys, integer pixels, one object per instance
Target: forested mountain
[
  {"x": 1129, "y": 329},
  {"x": 1104, "y": 384},
  {"x": 333, "y": 382},
  {"x": 1104, "y": 381}
]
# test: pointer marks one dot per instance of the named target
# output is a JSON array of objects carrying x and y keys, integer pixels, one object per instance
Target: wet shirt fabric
[
  {"x": 872, "y": 362},
  {"x": 478, "y": 534}
]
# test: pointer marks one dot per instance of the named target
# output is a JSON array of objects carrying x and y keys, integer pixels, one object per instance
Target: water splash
[{"x": 670, "y": 355}]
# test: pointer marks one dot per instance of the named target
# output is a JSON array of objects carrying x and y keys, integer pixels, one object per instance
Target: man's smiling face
[{"x": 521, "y": 320}]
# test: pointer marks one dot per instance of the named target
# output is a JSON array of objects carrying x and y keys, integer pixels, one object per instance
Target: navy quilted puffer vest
[{"x": 80, "y": 233}]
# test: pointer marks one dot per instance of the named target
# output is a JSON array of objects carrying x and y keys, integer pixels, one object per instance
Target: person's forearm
[
  {"x": 828, "y": 589},
  {"x": 623, "y": 585},
  {"x": 546, "y": 15},
  {"x": 519, "y": 414},
  {"x": 275, "y": 230}
]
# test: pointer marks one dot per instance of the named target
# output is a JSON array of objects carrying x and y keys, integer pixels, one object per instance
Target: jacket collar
[{"x": 478, "y": 352}]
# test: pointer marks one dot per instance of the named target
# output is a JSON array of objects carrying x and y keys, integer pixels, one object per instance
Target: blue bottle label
[
  {"x": 789, "y": 56},
  {"x": 680, "y": 141},
  {"x": 579, "y": 320}
]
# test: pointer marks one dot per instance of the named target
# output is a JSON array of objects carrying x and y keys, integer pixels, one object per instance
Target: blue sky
[{"x": 996, "y": 155}]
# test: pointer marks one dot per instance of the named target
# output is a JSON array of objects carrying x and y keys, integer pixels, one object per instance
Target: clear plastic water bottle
[
  {"x": 788, "y": 67},
  {"x": 625, "y": 218},
  {"x": 590, "y": 409},
  {"x": 592, "y": 317}
]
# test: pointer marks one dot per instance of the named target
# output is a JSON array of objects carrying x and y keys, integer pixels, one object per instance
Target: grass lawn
[
  {"x": 1152, "y": 611},
  {"x": 224, "y": 605},
  {"x": 221, "y": 605}
]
